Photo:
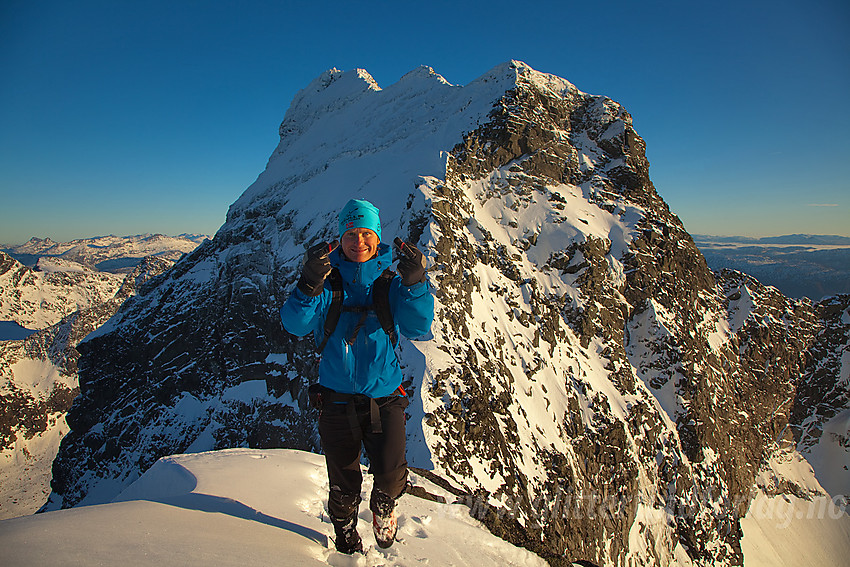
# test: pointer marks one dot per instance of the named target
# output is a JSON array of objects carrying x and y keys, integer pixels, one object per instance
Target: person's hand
[
  {"x": 316, "y": 268},
  {"x": 411, "y": 264}
]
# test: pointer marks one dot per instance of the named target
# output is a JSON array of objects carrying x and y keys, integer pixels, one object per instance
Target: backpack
[{"x": 380, "y": 305}]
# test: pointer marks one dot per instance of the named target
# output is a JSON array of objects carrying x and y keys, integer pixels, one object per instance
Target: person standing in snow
[{"x": 359, "y": 393}]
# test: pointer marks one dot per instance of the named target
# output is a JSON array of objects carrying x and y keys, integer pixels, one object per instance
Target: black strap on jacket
[{"x": 380, "y": 305}]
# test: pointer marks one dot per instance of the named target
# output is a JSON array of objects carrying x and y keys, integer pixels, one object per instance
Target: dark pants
[{"x": 341, "y": 443}]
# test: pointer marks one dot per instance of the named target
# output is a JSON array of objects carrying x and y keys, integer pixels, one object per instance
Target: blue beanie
[{"x": 359, "y": 214}]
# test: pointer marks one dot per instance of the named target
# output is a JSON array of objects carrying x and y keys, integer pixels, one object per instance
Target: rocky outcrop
[{"x": 660, "y": 323}]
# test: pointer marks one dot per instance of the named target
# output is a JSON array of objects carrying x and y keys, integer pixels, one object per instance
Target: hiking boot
[
  {"x": 384, "y": 522},
  {"x": 347, "y": 539},
  {"x": 385, "y": 528}
]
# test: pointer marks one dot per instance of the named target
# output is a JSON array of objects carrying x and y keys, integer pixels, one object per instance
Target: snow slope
[
  {"x": 244, "y": 507},
  {"x": 266, "y": 507},
  {"x": 788, "y": 528}
]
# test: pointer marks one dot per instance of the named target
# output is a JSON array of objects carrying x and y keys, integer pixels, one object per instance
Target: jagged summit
[
  {"x": 333, "y": 88},
  {"x": 423, "y": 72},
  {"x": 581, "y": 347},
  {"x": 519, "y": 73}
]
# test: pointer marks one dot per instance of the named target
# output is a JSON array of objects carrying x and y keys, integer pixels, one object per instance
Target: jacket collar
[{"x": 363, "y": 273}]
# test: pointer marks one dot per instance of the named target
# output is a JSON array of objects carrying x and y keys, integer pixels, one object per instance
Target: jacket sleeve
[
  {"x": 301, "y": 314},
  {"x": 413, "y": 308}
]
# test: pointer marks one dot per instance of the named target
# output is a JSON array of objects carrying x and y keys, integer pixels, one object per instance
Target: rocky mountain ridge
[{"x": 590, "y": 387}]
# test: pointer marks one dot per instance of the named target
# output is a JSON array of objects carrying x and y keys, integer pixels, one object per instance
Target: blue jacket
[{"x": 369, "y": 366}]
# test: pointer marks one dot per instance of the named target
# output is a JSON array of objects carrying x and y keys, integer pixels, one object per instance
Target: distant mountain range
[
  {"x": 798, "y": 265},
  {"x": 787, "y": 239},
  {"x": 117, "y": 254}
]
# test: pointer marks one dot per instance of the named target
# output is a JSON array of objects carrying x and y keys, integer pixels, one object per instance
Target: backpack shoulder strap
[
  {"x": 381, "y": 300},
  {"x": 332, "y": 317},
  {"x": 380, "y": 303}
]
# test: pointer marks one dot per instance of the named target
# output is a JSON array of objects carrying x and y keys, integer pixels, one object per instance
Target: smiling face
[{"x": 359, "y": 244}]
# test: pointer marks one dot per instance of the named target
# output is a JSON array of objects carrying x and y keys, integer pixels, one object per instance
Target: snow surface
[
  {"x": 830, "y": 458},
  {"x": 788, "y": 531},
  {"x": 245, "y": 507},
  {"x": 263, "y": 507},
  {"x": 806, "y": 527}
]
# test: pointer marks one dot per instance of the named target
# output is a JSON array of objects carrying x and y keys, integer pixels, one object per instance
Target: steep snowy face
[{"x": 582, "y": 385}]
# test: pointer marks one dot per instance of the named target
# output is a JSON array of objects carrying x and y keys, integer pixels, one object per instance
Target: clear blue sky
[{"x": 128, "y": 117}]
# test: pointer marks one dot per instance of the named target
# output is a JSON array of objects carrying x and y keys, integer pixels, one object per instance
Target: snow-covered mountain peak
[
  {"x": 341, "y": 84},
  {"x": 423, "y": 72},
  {"x": 50, "y": 264},
  {"x": 365, "y": 141},
  {"x": 36, "y": 243},
  {"x": 333, "y": 89}
]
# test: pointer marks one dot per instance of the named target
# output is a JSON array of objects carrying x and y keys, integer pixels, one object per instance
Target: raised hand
[
  {"x": 316, "y": 268},
  {"x": 411, "y": 264}
]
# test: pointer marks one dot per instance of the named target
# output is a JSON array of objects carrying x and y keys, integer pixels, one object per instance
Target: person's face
[{"x": 359, "y": 244}]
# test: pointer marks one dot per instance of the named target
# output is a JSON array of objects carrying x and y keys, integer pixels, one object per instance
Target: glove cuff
[
  {"x": 417, "y": 278},
  {"x": 310, "y": 288}
]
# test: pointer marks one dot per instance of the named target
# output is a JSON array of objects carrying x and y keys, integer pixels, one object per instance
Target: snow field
[
  {"x": 788, "y": 531},
  {"x": 245, "y": 507},
  {"x": 808, "y": 527}
]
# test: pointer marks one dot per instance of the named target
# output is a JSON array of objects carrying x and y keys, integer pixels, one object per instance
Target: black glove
[
  {"x": 316, "y": 268},
  {"x": 411, "y": 264}
]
